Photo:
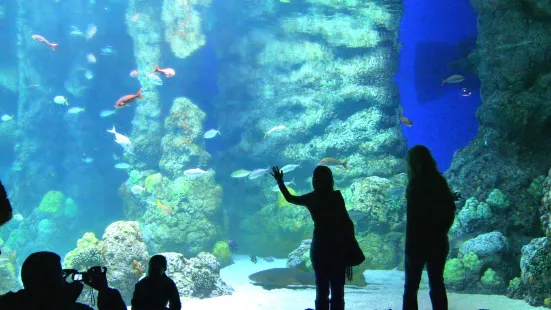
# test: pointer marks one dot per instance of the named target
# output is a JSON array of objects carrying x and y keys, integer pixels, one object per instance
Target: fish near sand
[
  {"x": 128, "y": 99},
  {"x": 168, "y": 72},
  {"x": 333, "y": 162},
  {"x": 122, "y": 140},
  {"x": 454, "y": 79},
  {"x": 406, "y": 121},
  {"x": 282, "y": 277},
  {"x": 41, "y": 39}
]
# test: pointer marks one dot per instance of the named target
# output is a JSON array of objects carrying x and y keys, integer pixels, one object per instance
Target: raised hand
[{"x": 277, "y": 174}]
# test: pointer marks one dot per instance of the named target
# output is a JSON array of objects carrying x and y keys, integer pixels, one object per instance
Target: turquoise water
[{"x": 137, "y": 127}]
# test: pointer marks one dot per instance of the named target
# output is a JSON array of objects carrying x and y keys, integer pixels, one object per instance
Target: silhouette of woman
[
  {"x": 333, "y": 231},
  {"x": 156, "y": 290},
  {"x": 430, "y": 214}
]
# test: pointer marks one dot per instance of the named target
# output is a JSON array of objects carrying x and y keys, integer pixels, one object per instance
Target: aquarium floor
[{"x": 384, "y": 292}]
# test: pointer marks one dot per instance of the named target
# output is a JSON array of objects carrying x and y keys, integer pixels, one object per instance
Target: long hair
[
  {"x": 420, "y": 162},
  {"x": 322, "y": 180},
  {"x": 157, "y": 266}
]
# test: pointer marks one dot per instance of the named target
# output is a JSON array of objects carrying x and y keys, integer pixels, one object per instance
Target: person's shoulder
[{"x": 79, "y": 306}]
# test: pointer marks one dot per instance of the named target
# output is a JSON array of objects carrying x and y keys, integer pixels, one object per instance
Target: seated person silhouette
[
  {"x": 46, "y": 288},
  {"x": 156, "y": 290},
  {"x": 6, "y": 212}
]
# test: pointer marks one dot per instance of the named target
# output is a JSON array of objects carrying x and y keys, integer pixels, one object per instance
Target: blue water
[
  {"x": 435, "y": 38},
  {"x": 446, "y": 121}
]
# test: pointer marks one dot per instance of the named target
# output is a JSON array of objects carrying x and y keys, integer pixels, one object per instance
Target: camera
[{"x": 89, "y": 277}]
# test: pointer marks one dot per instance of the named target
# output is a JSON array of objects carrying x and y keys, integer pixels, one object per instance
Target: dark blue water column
[{"x": 436, "y": 38}]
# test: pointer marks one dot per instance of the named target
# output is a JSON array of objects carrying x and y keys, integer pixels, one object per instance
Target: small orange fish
[
  {"x": 168, "y": 72},
  {"x": 126, "y": 100},
  {"x": 164, "y": 207},
  {"x": 406, "y": 121}
]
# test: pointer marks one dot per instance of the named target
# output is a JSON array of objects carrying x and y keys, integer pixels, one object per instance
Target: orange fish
[
  {"x": 41, "y": 39},
  {"x": 333, "y": 162},
  {"x": 168, "y": 72},
  {"x": 164, "y": 207},
  {"x": 406, "y": 121},
  {"x": 126, "y": 100}
]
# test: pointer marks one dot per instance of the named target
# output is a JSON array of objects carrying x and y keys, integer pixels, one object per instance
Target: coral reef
[
  {"x": 182, "y": 144},
  {"x": 197, "y": 277},
  {"x": 147, "y": 126},
  {"x": 535, "y": 267},
  {"x": 183, "y": 25},
  {"x": 325, "y": 73},
  {"x": 511, "y": 147},
  {"x": 545, "y": 207},
  {"x": 221, "y": 251},
  {"x": 122, "y": 248},
  {"x": 85, "y": 255},
  {"x": 177, "y": 212},
  {"x": 52, "y": 203},
  {"x": 483, "y": 265},
  {"x": 385, "y": 211}
]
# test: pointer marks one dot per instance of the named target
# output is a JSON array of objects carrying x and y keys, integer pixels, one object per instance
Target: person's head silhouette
[
  {"x": 420, "y": 162},
  {"x": 157, "y": 266},
  {"x": 322, "y": 180},
  {"x": 42, "y": 272}
]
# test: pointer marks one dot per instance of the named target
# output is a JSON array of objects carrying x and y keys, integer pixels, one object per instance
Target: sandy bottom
[{"x": 384, "y": 292}]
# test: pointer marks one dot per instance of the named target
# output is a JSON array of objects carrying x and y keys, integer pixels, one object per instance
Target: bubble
[{"x": 465, "y": 92}]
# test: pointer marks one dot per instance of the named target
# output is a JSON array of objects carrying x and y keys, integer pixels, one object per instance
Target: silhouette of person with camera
[
  {"x": 6, "y": 212},
  {"x": 156, "y": 290},
  {"x": 333, "y": 240},
  {"x": 45, "y": 287}
]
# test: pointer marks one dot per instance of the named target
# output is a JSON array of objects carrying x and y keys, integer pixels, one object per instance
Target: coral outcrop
[
  {"x": 147, "y": 126},
  {"x": 511, "y": 147},
  {"x": 183, "y": 24},
  {"x": 324, "y": 70},
  {"x": 178, "y": 212},
  {"x": 197, "y": 277}
]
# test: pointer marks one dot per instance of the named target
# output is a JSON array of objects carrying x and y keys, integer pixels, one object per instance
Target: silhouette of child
[
  {"x": 333, "y": 230},
  {"x": 430, "y": 214},
  {"x": 156, "y": 290}
]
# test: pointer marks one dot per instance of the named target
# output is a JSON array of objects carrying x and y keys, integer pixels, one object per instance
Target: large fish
[
  {"x": 282, "y": 277},
  {"x": 333, "y": 162}
]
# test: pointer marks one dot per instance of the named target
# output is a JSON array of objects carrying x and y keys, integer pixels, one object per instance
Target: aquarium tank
[{"x": 131, "y": 128}]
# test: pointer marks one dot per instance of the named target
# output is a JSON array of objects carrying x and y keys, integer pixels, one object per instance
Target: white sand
[{"x": 383, "y": 292}]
